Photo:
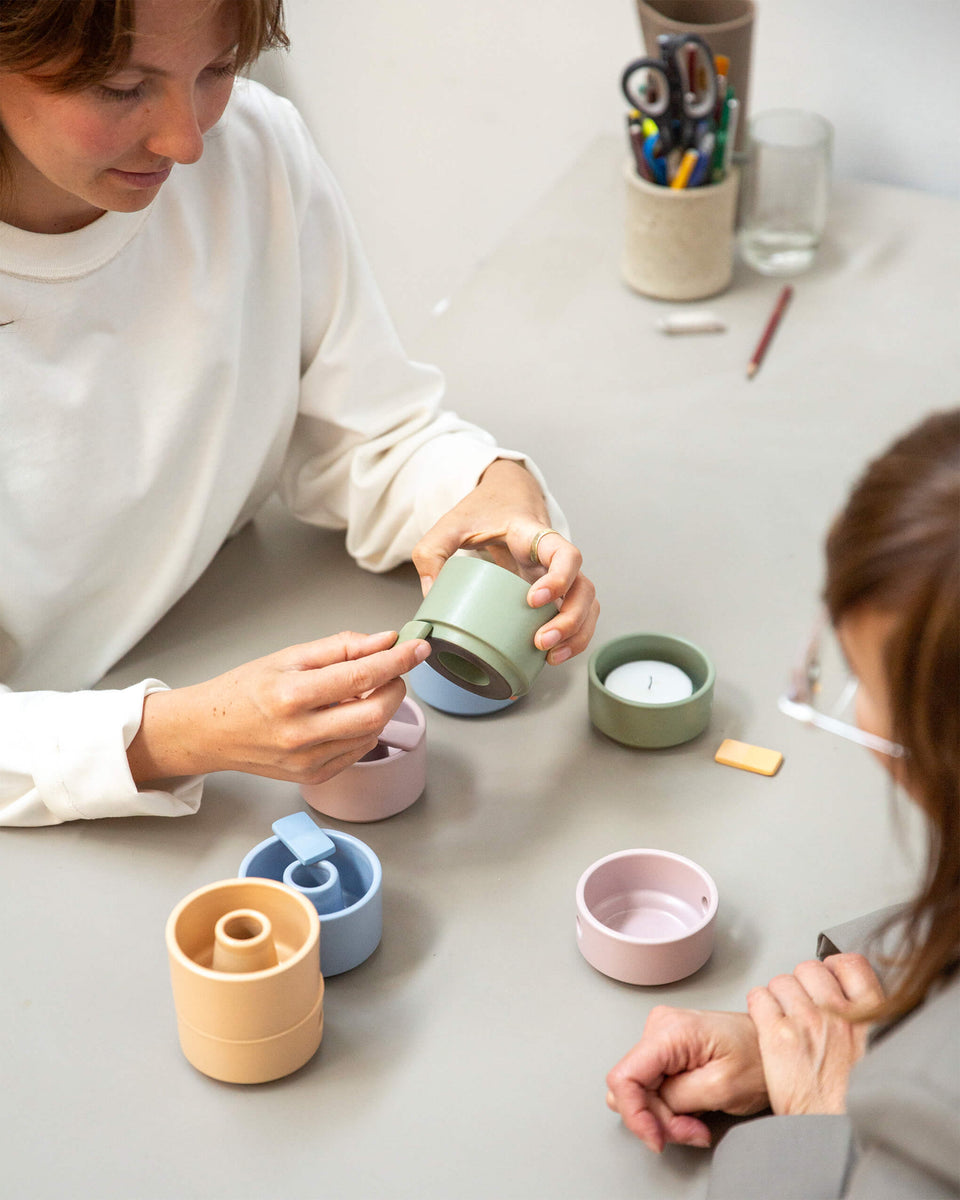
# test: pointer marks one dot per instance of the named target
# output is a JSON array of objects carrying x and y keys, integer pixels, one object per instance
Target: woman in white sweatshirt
[{"x": 187, "y": 325}]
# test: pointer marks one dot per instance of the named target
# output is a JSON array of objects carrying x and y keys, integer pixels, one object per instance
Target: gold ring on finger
[{"x": 535, "y": 546}]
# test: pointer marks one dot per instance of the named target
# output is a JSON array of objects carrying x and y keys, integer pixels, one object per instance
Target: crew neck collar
[{"x": 53, "y": 257}]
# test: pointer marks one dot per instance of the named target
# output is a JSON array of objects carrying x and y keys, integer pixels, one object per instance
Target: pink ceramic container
[
  {"x": 384, "y": 782},
  {"x": 646, "y": 916}
]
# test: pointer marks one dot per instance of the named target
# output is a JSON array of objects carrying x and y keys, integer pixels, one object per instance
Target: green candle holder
[
  {"x": 651, "y": 726},
  {"x": 481, "y": 628}
]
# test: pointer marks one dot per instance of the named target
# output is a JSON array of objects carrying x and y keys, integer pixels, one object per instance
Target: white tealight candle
[{"x": 649, "y": 682}]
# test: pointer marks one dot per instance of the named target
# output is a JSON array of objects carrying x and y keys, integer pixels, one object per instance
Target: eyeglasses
[{"x": 821, "y": 689}]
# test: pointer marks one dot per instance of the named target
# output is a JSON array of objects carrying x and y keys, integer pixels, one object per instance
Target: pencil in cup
[{"x": 682, "y": 177}]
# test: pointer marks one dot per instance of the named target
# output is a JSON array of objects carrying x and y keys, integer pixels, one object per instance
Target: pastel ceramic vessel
[
  {"x": 345, "y": 891},
  {"x": 246, "y": 979},
  {"x": 481, "y": 629},
  {"x": 383, "y": 782},
  {"x": 646, "y": 916},
  {"x": 650, "y": 726},
  {"x": 449, "y": 697}
]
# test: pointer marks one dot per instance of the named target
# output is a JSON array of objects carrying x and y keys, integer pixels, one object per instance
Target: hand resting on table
[{"x": 793, "y": 1051}]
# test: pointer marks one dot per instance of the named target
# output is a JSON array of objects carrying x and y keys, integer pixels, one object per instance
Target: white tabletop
[{"x": 466, "y": 1058}]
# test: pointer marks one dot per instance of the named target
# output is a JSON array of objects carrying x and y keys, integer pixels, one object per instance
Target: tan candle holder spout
[{"x": 243, "y": 942}]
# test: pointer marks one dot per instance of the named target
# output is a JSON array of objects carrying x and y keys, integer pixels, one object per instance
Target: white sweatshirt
[{"x": 161, "y": 374}]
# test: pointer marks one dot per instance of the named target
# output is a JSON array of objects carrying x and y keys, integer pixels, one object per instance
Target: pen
[
  {"x": 771, "y": 328},
  {"x": 685, "y": 169},
  {"x": 636, "y": 143},
  {"x": 657, "y": 164},
  {"x": 705, "y": 157},
  {"x": 733, "y": 116},
  {"x": 720, "y": 153},
  {"x": 722, "y": 66}
]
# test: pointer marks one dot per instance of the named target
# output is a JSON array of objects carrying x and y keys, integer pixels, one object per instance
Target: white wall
[{"x": 445, "y": 120}]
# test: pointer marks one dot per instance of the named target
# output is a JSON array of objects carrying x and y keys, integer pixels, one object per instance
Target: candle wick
[{"x": 650, "y": 684}]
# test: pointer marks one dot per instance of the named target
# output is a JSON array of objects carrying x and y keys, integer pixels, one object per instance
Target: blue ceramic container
[
  {"x": 441, "y": 693},
  {"x": 346, "y": 889}
]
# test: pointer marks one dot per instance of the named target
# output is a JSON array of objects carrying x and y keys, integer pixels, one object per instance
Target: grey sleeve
[
  {"x": 879, "y": 1175},
  {"x": 904, "y": 1102},
  {"x": 792, "y": 1158},
  {"x": 860, "y": 936}
]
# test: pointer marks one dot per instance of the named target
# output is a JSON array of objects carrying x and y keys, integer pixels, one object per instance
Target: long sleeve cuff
[
  {"x": 64, "y": 759},
  {"x": 443, "y": 471},
  {"x": 792, "y": 1158}
]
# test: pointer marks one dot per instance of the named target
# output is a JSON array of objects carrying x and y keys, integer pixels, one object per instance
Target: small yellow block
[{"x": 749, "y": 758}]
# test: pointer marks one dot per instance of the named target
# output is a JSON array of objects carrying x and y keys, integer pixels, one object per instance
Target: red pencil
[{"x": 784, "y": 299}]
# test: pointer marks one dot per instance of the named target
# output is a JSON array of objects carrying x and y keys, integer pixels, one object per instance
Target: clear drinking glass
[{"x": 786, "y": 189}]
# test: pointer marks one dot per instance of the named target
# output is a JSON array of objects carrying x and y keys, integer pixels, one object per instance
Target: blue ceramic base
[
  {"x": 346, "y": 890},
  {"x": 434, "y": 689}
]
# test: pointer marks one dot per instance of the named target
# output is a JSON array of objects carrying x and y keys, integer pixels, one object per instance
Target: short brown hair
[
  {"x": 91, "y": 39},
  {"x": 896, "y": 547}
]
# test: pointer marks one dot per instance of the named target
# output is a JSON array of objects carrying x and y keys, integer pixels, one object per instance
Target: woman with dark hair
[
  {"x": 187, "y": 325},
  {"x": 886, "y": 1127}
]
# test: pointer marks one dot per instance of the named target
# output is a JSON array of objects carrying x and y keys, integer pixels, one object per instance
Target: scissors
[{"x": 677, "y": 90}]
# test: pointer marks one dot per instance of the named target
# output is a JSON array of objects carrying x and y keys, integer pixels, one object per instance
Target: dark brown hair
[
  {"x": 896, "y": 547},
  {"x": 86, "y": 41},
  {"x": 91, "y": 39}
]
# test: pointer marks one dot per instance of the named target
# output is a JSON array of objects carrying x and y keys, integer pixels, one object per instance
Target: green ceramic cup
[
  {"x": 650, "y": 726},
  {"x": 481, "y": 628}
]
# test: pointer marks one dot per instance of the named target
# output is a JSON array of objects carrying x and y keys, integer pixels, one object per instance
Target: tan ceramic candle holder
[{"x": 245, "y": 971}]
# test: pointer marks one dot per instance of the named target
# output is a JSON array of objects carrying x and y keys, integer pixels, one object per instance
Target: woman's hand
[
  {"x": 503, "y": 516},
  {"x": 807, "y": 1044},
  {"x": 302, "y": 714},
  {"x": 687, "y": 1062}
]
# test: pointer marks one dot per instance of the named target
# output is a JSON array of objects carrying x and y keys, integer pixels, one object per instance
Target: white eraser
[{"x": 697, "y": 321}]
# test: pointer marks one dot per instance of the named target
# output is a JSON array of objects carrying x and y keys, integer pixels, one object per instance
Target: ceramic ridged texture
[{"x": 246, "y": 1027}]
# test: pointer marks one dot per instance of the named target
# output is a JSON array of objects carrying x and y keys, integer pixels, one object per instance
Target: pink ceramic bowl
[
  {"x": 381, "y": 784},
  {"x": 646, "y": 916}
]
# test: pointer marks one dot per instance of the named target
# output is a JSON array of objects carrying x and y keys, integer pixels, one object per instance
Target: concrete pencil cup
[
  {"x": 646, "y": 916},
  {"x": 650, "y": 690},
  {"x": 338, "y": 875},
  {"x": 679, "y": 242},
  {"x": 246, "y": 979},
  {"x": 384, "y": 782},
  {"x": 481, "y": 629}
]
